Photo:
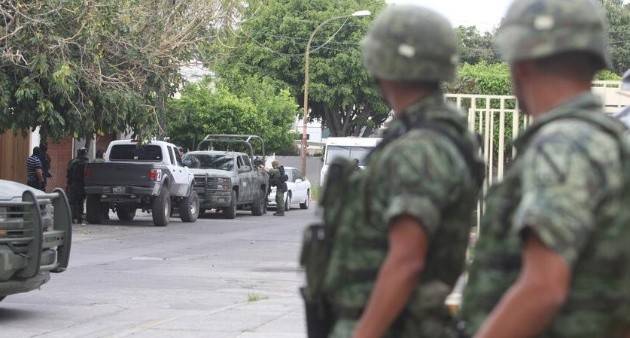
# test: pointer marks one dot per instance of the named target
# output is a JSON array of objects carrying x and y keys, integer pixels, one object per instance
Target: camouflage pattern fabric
[
  {"x": 397, "y": 45},
  {"x": 566, "y": 186},
  {"x": 535, "y": 29},
  {"x": 420, "y": 174}
]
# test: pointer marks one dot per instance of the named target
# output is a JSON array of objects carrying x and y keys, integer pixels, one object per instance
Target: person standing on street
[
  {"x": 75, "y": 177},
  {"x": 34, "y": 170},
  {"x": 99, "y": 156},
  {"x": 553, "y": 257},
  {"x": 402, "y": 224},
  {"x": 44, "y": 158},
  {"x": 278, "y": 179}
]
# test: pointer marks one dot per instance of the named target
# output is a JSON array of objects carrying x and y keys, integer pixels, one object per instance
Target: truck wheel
[
  {"x": 94, "y": 210},
  {"x": 189, "y": 208},
  {"x": 258, "y": 205},
  {"x": 307, "y": 201},
  {"x": 126, "y": 214},
  {"x": 230, "y": 212},
  {"x": 161, "y": 208},
  {"x": 288, "y": 202}
]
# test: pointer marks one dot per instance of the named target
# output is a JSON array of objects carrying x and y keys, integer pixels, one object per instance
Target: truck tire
[
  {"x": 306, "y": 203},
  {"x": 189, "y": 208},
  {"x": 258, "y": 204},
  {"x": 230, "y": 212},
  {"x": 161, "y": 208},
  {"x": 95, "y": 213},
  {"x": 126, "y": 213},
  {"x": 288, "y": 202}
]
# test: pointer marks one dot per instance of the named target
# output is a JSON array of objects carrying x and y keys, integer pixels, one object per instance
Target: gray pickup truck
[
  {"x": 35, "y": 236},
  {"x": 149, "y": 176},
  {"x": 228, "y": 180}
]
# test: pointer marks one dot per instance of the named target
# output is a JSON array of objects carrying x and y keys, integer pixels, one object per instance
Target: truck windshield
[
  {"x": 204, "y": 161},
  {"x": 133, "y": 152},
  {"x": 357, "y": 153}
]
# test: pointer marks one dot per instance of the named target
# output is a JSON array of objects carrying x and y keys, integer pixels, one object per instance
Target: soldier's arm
[
  {"x": 397, "y": 277},
  {"x": 533, "y": 301}
]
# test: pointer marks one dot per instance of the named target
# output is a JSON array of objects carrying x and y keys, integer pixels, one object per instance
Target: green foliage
[
  {"x": 75, "y": 67},
  {"x": 607, "y": 75},
  {"x": 483, "y": 78},
  {"x": 618, "y": 15},
  {"x": 253, "y": 106},
  {"x": 475, "y": 47},
  {"x": 271, "y": 43}
]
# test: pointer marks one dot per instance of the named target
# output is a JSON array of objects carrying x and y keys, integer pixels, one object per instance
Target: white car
[{"x": 298, "y": 191}]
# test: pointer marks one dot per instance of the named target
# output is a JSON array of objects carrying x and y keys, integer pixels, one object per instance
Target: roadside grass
[{"x": 255, "y": 297}]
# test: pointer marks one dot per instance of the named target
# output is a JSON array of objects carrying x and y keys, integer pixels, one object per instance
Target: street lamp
[{"x": 306, "y": 77}]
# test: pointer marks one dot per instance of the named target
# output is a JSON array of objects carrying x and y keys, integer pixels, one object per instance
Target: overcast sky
[{"x": 485, "y": 14}]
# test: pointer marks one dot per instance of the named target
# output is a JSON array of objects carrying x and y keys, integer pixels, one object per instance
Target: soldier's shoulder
[{"x": 585, "y": 135}]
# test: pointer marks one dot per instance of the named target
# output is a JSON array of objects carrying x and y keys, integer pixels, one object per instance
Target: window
[
  {"x": 135, "y": 152},
  {"x": 219, "y": 162},
  {"x": 298, "y": 174},
  {"x": 239, "y": 162},
  {"x": 178, "y": 157},
  {"x": 247, "y": 161},
  {"x": 357, "y": 153},
  {"x": 291, "y": 175},
  {"x": 171, "y": 155}
]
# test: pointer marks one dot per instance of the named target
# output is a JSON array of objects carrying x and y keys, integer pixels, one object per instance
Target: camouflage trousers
[{"x": 280, "y": 202}]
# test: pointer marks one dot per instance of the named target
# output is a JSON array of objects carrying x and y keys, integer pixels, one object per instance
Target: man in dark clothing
[
  {"x": 34, "y": 171},
  {"x": 44, "y": 159},
  {"x": 76, "y": 184}
]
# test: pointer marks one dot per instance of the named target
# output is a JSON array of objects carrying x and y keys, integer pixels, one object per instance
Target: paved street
[{"x": 215, "y": 278}]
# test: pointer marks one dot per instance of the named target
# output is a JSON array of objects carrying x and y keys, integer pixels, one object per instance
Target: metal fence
[{"x": 499, "y": 121}]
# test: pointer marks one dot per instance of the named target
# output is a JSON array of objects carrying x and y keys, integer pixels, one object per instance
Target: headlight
[{"x": 224, "y": 184}]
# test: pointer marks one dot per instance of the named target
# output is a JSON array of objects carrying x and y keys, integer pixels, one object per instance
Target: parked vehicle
[
  {"x": 35, "y": 236},
  {"x": 349, "y": 147},
  {"x": 149, "y": 176},
  {"x": 298, "y": 191},
  {"x": 227, "y": 180}
]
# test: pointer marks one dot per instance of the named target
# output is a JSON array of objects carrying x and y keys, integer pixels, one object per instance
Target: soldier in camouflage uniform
[
  {"x": 404, "y": 221},
  {"x": 553, "y": 256}
]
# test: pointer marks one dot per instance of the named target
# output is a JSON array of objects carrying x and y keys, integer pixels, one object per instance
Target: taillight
[{"x": 155, "y": 174}]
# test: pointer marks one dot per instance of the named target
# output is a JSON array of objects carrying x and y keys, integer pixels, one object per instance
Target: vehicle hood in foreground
[{"x": 10, "y": 190}]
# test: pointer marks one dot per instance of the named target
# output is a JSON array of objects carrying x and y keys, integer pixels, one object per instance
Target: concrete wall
[{"x": 313, "y": 166}]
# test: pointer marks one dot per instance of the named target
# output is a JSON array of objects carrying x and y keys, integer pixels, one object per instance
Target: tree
[
  {"x": 618, "y": 15},
  {"x": 271, "y": 42},
  {"x": 79, "y": 67},
  {"x": 475, "y": 47},
  {"x": 253, "y": 106}
]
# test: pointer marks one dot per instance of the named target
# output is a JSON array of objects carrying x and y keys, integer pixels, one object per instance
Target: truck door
[
  {"x": 180, "y": 174},
  {"x": 245, "y": 175}
]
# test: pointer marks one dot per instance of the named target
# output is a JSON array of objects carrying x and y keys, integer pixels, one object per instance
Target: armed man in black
[{"x": 76, "y": 184}]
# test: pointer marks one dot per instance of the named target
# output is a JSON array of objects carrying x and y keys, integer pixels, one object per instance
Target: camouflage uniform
[
  {"x": 416, "y": 172},
  {"x": 566, "y": 186}
]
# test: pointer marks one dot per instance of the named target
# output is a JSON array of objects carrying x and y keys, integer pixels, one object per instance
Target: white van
[{"x": 349, "y": 147}]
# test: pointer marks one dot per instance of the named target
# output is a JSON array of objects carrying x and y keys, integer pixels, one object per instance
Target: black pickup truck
[{"x": 150, "y": 176}]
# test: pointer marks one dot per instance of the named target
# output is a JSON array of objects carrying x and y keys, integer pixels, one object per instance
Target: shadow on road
[{"x": 11, "y": 315}]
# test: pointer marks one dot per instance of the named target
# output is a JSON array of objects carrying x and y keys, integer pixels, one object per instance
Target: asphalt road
[{"x": 215, "y": 278}]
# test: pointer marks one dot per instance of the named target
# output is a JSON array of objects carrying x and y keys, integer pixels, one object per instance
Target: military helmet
[
  {"x": 275, "y": 164},
  {"x": 534, "y": 29},
  {"x": 410, "y": 43},
  {"x": 625, "y": 82}
]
